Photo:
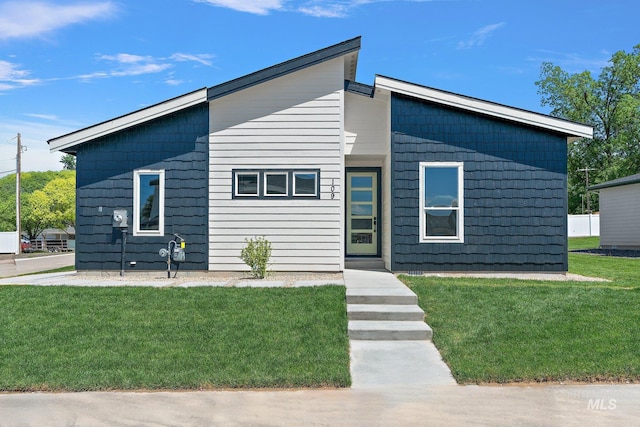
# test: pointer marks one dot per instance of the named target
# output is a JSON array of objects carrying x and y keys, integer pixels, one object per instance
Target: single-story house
[
  {"x": 620, "y": 213},
  {"x": 327, "y": 169}
]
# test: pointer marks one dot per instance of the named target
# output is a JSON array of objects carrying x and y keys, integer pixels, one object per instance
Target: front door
[{"x": 362, "y": 212}]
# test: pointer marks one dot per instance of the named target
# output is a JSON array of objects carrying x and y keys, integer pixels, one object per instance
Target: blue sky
[{"x": 65, "y": 65}]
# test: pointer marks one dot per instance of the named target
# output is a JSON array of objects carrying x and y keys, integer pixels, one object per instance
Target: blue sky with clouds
[{"x": 67, "y": 64}]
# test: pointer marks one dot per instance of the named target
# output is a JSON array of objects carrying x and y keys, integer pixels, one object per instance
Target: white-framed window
[
  {"x": 148, "y": 203},
  {"x": 276, "y": 184},
  {"x": 247, "y": 184},
  {"x": 305, "y": 184},
  {"x": 441, "y": 202}
]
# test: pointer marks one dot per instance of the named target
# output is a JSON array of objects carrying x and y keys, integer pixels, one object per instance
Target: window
[
  {"x": 441, "y": 202},
  {"x": 276, "y": 183},
  {"x": 148, "y": 203},
  {"x": 305, "y": 183},
  {"x": 246, "y": 183}
]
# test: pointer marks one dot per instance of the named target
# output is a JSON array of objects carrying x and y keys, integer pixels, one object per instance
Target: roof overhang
[
  {"x": 565, "y": 127},
  {"x": 348, "y": 49},
  {"x": 627, "y": 180},
  {"x": 67, "y": 142}
]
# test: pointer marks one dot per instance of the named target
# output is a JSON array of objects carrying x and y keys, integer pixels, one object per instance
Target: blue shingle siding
[
  {"x": 105, "y": 182},
  {"x": 515, "y": 207}
]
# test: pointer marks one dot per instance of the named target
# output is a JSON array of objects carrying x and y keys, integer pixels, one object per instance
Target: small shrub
[{"x": 256, "y": 255}]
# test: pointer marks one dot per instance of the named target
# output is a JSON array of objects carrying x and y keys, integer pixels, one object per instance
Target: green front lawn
[
  {"x": 64, "y": 338},
  {"x": 491, "y": 330}
]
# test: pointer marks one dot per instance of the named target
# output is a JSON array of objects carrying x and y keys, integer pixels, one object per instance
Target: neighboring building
[
  {"x": 620, "y": 213},
  {"x": 55, "y": 240},
  {"x": 326, "y": 169}
]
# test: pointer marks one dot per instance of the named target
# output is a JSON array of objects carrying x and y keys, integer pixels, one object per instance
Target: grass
[
  {"x": 54, "y": 270},
  {"x": 73, "y": 339},
  {"x": 584, "y": 243},
  {"x": 500, "y": 331}
]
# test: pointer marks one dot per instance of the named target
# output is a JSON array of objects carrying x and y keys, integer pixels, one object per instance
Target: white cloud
[
  {"x": 49, "y": 117},
  {"x": 317, "y": 8},
  {"x": 202, "y": 58},
  {"x": 126, "y": 64},
  {"x": 572, "y": 62},
  {"x": 126, "y": 58},
  {"x": 478, "y": 38},
  {"x": 12, "y": 77},
  {"x": 325, "y": 10},
  {"x": 174, "y": 82},
  {"x": 259, "y": 7},
  {"x": 34, "y": 18}
]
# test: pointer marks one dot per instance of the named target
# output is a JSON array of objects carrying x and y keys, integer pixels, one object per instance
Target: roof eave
[
  {"x": 628, "y": 180},
  {"x": 66, "y": 142},
  {"x": 293, "y": 65},
  {"x": 568, "y": 128}
]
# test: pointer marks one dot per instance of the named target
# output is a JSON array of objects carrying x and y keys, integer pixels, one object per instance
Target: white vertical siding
[
  {"x": 291, "y": 122},
  {"x": 620, "y": 216}
]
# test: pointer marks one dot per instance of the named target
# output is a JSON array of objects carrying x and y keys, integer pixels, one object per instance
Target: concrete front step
[
  {"x": 395, "y": 296},
  {"x": 389, "y": 330},
  {"x": 364, "y": 264},
  {"x": 384, "y": 312}
]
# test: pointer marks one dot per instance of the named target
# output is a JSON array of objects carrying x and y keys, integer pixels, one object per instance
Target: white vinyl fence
[
  {"x": 584, "y": 225},
  {"x": 9, "y": 242}
]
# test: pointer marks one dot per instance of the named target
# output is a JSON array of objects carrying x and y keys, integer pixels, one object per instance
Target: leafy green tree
[
  {"x": 61, "y": 193},
  {"x": 611, "y": 104},
  {"x": 53, "y": 207},
  {"x": 68, "y": 162},
  {"x": 36, "y": 213}
]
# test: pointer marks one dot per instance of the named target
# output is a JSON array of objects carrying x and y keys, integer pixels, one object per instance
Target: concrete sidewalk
[
  {"x": 399, "y": 383},
  {"x": 18, "y": 266}
]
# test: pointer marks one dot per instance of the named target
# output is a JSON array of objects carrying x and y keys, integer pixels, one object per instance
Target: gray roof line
[
  {"x": 627, "y": 180},
  {"x": 358, "y": 88},
  {"x": 283, "y": 68}
]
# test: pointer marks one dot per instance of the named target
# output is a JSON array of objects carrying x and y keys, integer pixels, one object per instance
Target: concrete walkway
[
  {"x": 380, "y": 365},
  {"x": 15, "y": 267},
  {"x": 399, "y": 383}
]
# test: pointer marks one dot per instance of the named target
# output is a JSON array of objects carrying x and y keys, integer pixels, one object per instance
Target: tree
[
  {"x": 611, "y": 104},
  {"x": 53, "y": 205},
  {"x": 37, "y": 215},
  {"x": 62, "y": 202},
  {"x": 68, "y": 162}
]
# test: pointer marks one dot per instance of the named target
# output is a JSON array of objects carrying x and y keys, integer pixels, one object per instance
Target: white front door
[{"x": 362, "y": 213}]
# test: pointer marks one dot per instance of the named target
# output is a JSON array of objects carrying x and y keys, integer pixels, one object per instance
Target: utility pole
[
  {"x": 18, "y": 164},
  {"x": 586, "y": 171}
]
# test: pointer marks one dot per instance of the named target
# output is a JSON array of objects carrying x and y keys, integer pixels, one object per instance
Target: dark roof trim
[
  {"x": 489, "y": 108},
  {"x": 358, "y": 88},
  {"x": 284, "y": 68},
  {"x": 627, "y": 180},
  {"x": 67, "y": 143}
]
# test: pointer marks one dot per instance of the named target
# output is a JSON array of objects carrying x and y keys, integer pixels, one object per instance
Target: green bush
[{"x": 256, "y": 255}]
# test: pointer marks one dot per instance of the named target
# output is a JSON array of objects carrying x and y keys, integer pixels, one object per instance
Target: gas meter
[
  {"x": 178, "y": 254},
  {"x": 175, "y": 252}
]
